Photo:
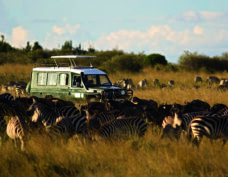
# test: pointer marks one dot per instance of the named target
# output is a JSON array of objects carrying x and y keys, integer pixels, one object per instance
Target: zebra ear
[{"x": 177, "y": 120}]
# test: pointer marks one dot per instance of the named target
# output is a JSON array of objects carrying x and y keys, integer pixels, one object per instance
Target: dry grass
[{"x": 136, "y": 157}]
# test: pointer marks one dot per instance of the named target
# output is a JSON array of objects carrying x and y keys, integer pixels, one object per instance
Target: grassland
[{"x": 135, "y": 157}]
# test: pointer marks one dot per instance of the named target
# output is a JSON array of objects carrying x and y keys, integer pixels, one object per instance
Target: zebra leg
[
  {"x": 196, "y": 141},
  {"x": 17, "y": 143},
  {"x": 23, "y": 143},
  {"x": 189, "y": 134}
]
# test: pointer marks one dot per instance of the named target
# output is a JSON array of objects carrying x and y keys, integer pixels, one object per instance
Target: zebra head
[
  {"x": 172, "y": 127},
  {"x": 33, "y": 110}
]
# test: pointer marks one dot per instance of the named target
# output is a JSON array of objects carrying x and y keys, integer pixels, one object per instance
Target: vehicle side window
[
  {"x": 92, "y": 80},
  {"x": 76, "y": 81},
  {"x": 52, "y": 78},
  {"x": 63, "y": 79},
  {"x": 42, "y": 79}
]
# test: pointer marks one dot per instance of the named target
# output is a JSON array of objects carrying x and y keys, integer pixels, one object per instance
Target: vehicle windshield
[{"x": 93, "y": 80}]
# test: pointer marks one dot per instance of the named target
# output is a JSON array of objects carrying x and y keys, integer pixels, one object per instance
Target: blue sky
[{"x": 168, "y": 27}]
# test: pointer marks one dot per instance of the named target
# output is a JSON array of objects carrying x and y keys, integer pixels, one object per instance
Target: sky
[{"x": 167, "y": 27}]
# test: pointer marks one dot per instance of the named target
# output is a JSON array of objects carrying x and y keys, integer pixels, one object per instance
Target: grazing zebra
[
  {"x": 142, "y": 84},
  {"x": 79, "y": 123},
  {"x": 94, "y": 122},
  {"x": 66, "y": 127},
  {"x": 6, "y": 96},
  {"x": 123, "y": 128},
  {"x": 213, "y": 127},
  {"x": 42, "y": 113},
  {"x": 198, "y": 79},
  {"x": 171, "y": 83},
  {"x": 213, "y": 80},
  {"x": 67, "y": 111},
  {"x": 17, "y": 129},
  {"x": 63, "y": 129},
  {"x": 174, "y": 126}
]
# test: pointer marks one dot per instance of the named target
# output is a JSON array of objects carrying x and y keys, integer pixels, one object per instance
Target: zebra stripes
[
  {"x": 17, "y": 129},
  {"x": 42, "y": 113},
  {"x": 67, "y": 111},
  {"x": 174, "y": 126},
  {"x": 213, "y": 127},
  {"x": 123, "y": 127},
  {"x": 61, "y": 129},
  {"x": 6, "y": 96}
]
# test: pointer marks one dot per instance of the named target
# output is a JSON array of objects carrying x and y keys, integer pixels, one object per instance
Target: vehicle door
[{"x": 77, "y": 88}]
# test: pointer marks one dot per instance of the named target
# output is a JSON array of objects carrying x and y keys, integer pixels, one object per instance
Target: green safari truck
[{"x": 73, "y": 82}]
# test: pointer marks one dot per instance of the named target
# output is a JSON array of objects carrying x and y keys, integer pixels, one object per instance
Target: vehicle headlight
[{"x": 122, "y": 92}]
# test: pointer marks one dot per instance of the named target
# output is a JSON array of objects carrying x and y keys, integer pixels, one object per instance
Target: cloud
[
  {"x": 67, "y": 29},
  {"x": 137, "y": 40},
  {"x": 58, "y": 30},
  {"x": 190, "y": 16},
  {"x": 19, "y": 37},
  {"x": 211, "y": 15},
  {"x": 165, "y": 39},
  {"x": 198, "y": 30},
  {"x": 201, "y": 16}
]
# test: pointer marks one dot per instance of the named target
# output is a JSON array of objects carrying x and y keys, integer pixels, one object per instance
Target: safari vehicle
[{"x": 74, "y": 82}]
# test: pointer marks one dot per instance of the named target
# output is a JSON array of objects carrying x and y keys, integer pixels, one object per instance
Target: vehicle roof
[{"x": 78, "y": 70}]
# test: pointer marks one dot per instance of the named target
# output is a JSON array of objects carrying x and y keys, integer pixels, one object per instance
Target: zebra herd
[
  {"x": 212, "y": 123},
  {"x": 21, "y": 117}
]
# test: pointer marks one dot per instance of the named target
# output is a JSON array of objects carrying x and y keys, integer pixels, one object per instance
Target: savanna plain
[{"x": 136, "y": 157}]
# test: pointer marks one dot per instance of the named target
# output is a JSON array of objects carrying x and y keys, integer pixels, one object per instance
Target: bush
[
  {"x": 126, "y": 63},
  {"x": 196, "y": 62},
  {"x": 154, "y": 59}
]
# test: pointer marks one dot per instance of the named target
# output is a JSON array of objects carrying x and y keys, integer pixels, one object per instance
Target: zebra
[
  {"x": 40, "y": 112},
  {"x": 68, "y": 126},
  {"x": 17, "y": 129},
  {"x": 142, "y": 84},
  {"x": 198, "y": 79},
  {"x": 95, "y": 121},
  {"x": 213, "y": 127},
  {"x": 62, "y": 129},
  {"x": 67, "y": 111},
  {"x": 174, "y": 126},
  {"x": 123, "y": 128},
  {"x": 213, "y": 80},
  {"x": 106, "y": 125},
  {"x": 171, "y": 83},
  {"x": 6, "y": 96}
]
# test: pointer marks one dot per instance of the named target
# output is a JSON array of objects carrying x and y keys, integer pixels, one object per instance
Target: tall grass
[
  {"x": 135, "y": 157},
  {"x": 15, "y": 72}
]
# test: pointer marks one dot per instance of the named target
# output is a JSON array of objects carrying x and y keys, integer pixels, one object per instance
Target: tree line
[{"x": 113, "y": 60}]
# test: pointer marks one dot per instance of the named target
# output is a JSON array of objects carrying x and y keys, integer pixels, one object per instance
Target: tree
[
  {"x": 37, "y": 46},
  {"x": 4, "y": 46},
  {"x": 3, "y": 37},
  {"x": 154, "y": 59},
  {"x": 67, "y": 46},
  {"x": 28, "y": 47},
  {"x": 126, "y": 63}
]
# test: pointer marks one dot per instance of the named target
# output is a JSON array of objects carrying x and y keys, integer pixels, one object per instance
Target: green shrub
[
  {"x": 154, "y": 59},
  {"x": 126, "y": 63}
]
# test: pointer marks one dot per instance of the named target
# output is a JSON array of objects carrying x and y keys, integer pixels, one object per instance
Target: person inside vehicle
[{"x": 77, "y": 81}]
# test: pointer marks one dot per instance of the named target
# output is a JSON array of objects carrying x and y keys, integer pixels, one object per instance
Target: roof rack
[{"x": 71, "y": 59}]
